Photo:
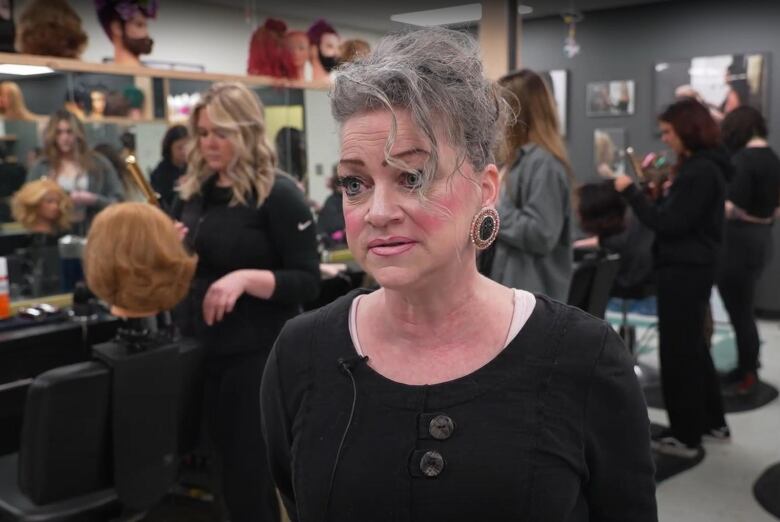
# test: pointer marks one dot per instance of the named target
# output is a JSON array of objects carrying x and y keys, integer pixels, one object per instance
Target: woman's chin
[{"x": 398, "y": 278}]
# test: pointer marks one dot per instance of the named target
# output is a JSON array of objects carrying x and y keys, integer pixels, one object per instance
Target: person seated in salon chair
[{"x": 455, "y": 397}]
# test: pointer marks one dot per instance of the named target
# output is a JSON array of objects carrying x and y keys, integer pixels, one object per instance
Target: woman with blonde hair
[
  {"x": 42, "y": 206},
  {"x": 86, "y": 176},
  {"x": 257, "y": 264},
  {"x": 533, "y": 250},
  {"x": 12, "y": 106}
]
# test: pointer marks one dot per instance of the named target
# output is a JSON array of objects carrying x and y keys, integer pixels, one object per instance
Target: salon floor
[{"x": 720, "y": 489}]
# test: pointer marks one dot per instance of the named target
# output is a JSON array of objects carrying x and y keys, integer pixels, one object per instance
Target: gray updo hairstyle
[{"x": 437, "y": 75}]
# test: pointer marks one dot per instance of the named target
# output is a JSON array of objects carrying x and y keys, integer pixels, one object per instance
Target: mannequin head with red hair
[{"x": 268, "y": 54}]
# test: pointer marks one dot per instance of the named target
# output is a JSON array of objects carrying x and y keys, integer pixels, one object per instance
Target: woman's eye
[
  {"x": 412, "y": 179},
  {"x": 351, "y": 185}
]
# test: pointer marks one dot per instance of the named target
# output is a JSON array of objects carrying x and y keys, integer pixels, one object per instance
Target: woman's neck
[
  {"x": 223, "y": 180},
  {"x": 42, "y": 226},
  {"x": 441, "y": 313},
  {"x": 756, "y": 143}
]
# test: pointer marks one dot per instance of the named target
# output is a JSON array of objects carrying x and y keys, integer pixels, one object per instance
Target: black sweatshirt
[
  {"x": 553, "y": 429},
  {"x": 688, "y": 221},
  {"x": 278, "y": 236},
  {"x": 756, "y": 185}
]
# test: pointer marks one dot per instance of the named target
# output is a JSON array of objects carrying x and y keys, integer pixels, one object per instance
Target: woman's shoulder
[{"x": 574, "y": 337}]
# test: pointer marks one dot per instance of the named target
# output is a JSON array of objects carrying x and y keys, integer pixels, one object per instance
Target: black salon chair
[
  {"x": 76, "y": 416},
  {"x": 592, "y": 281}
]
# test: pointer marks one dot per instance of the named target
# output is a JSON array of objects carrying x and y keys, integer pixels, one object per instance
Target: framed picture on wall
[
  {"x": 609, "y": 152},
  {"x": 612, "y": 98},
  {"x": 558, "y": 80},
  {"x": 722, "y": 82}
]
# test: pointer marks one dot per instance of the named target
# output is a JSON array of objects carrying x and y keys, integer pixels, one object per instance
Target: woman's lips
[{"x": 391, "y": 246}]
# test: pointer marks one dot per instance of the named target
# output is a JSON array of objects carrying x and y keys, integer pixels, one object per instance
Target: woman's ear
[{"x": 491, "y": 184}]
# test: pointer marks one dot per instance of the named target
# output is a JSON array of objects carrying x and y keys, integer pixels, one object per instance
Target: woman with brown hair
[
  {"x": 688, "y": 225},
  {"x": 258, "y": 263},
  {"x": 88, "y": 177},
  {"x": 533, "y": 250}
]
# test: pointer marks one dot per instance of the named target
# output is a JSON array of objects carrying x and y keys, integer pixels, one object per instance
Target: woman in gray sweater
[
  {"x": 534, "y": 247},
  {"x": 88, "y": 177}
]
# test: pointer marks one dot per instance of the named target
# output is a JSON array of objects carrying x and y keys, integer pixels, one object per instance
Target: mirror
[{"x": 132, "y": 112}]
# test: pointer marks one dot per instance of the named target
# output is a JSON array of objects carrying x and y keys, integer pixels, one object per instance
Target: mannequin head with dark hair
[
  {"x": 125, "y": 24},
  {"x": 324, "y": 48}
]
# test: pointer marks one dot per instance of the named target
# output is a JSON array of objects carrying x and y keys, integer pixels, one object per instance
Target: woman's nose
[{"x": 384, "y": 207}]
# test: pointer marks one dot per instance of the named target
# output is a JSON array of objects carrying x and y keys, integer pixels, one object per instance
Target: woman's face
[
  {"x": 670, "y": 137},
  {"x": 64, "y": 137},
  {"x": 396, "y": 236},
  {"x": 49, "y": 207},
  {"x": 179, "y": 152},
  {"x": 214, "y": 144},
  {"x": 298, "y": 45}
]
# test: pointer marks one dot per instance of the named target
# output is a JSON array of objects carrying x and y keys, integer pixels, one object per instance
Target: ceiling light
[
  {"x": 446, "y": 16},
  {"x": 24, "y": 70},
  {"x": 523, "y": 9}
]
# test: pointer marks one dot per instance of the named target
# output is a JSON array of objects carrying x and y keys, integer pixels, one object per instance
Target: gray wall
[{"x": 625, "y": 44}]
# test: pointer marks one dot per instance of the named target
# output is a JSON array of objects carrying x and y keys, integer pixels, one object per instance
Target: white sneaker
[{"x": 670, "y": 445}]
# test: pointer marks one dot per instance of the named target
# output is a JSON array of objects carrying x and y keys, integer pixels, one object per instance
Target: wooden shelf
[{"x": 69, "y": 64}]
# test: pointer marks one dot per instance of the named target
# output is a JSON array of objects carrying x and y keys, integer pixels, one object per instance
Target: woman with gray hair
[{"x": 444, "y": 396}]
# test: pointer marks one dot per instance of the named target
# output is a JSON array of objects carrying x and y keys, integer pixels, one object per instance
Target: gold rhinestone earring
[{"x": 484, "y": 228}]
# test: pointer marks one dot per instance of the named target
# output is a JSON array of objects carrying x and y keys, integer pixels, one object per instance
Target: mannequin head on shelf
[
  {"x": 352, "y": 50},
  {"x": 324, "y": 49},
  {"x": 268, "y": 54},
  {"x": 50, "y": 28},
  {"x": 298, "y": 45},
  {"x": 97, "y": 101},
  {"x": 12, "y": 106},
  {"x": 135, "y": 261},
  {"x": 42, "y": 206},
  {"x": 125, "y": 24}
]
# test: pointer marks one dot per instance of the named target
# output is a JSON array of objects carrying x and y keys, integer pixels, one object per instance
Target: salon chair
[
  {"x": 98, "y": 442},
  {"x": 592, "y": 280}
]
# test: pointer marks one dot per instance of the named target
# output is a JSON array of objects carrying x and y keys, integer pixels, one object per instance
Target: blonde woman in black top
[
  {"x": 257, "y": 263},
  {"x": 753, "y": 197},
  {"x": 444, "y": 396}
]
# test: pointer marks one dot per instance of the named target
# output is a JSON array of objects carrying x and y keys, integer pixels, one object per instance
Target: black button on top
[
  {"x": 431, "y": 463},
  {"x": 441, "y": 427}
]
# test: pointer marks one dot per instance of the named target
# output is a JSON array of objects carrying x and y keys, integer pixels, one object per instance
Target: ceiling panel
[{"x": 375, "y": 16}]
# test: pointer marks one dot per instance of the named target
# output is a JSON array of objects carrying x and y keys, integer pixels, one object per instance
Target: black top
[
  {"x": 163, "y": 180},
  {"x": 553, "y": 429},
  {"x": 756, "y": 184},
  {"x": 278, "y": 236},
  {"x": 688, "y": 221}
]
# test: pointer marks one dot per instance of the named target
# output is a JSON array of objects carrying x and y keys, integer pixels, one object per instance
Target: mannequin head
[
  {"x": 50, "y": 28},
  {"x": 97, "y": 100},
  {"x": 12, "y": 104},
  {"x": 298, "y": 45},
  {"x": 325, "y": 46},
  {"x": 135, "y": 261},
  {"x": 125, "y": 24},
  {"x": 352, "y": 50},
  {"x": 268, "y": 54},
  {"x": 42, "y": 206}
]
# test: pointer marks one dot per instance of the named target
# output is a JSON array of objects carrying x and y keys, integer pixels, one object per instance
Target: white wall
[
  {"x": 322, "y": 143},
  {"x": 216, "y": 37}
]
